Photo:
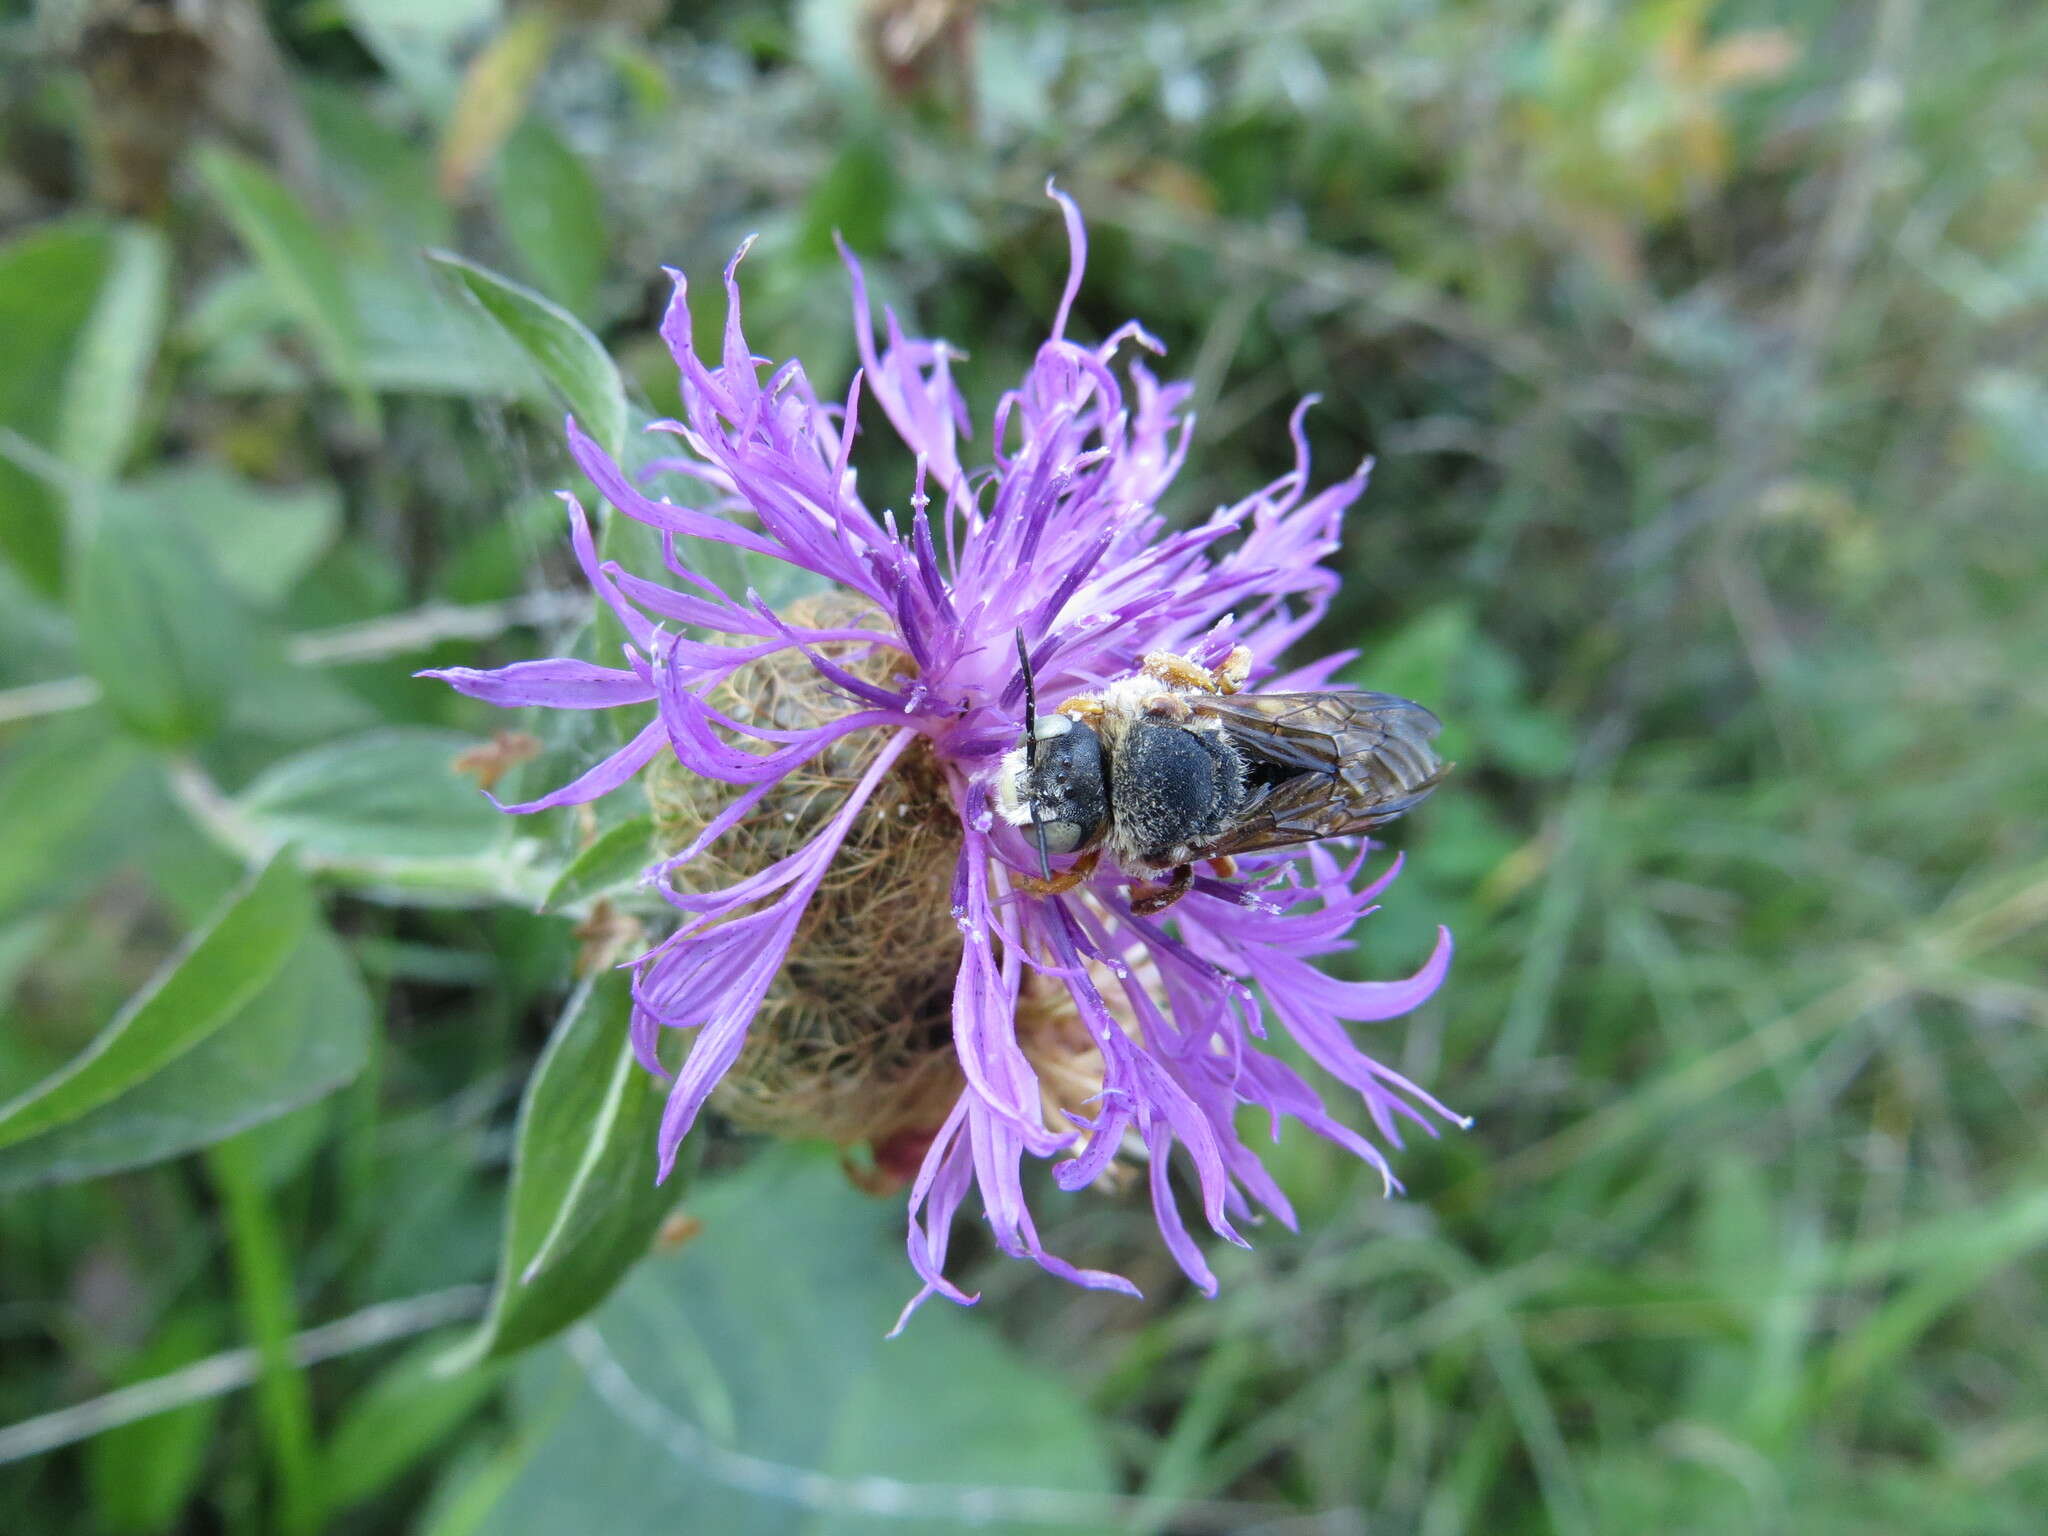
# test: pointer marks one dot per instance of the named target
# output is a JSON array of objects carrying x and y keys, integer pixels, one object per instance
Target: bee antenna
[{"x": 1031, "y": 753}]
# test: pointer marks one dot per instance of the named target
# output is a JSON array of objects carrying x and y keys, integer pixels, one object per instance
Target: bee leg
[
  {"x": 1083, "y": 706},
  {"x": 1228, "y": 676},
  {"x": 1065, "y": 880},
  {"x": 1178, "y": 671},
  {"x": 1159, "y": 897},
  {"x": 1235, "y": 670},
  {"x": 1224, "y": 867}
]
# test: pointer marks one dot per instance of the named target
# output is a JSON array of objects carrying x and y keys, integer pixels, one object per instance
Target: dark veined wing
[{"x": 1327, "y": 764}]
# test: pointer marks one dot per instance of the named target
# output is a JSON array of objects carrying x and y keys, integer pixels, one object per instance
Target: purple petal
[
  {"x": 599, "y": 780},
  {"x": 557, "y": 684}
]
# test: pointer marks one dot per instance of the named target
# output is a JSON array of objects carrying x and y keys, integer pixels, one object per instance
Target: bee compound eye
[{"x": 1062, "y": 836}]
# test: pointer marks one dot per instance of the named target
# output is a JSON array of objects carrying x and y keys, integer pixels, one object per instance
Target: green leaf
[
  {"x": 57, "y": 787},
  {"x": 553, "y": 214},
  {"x": 104, "y": 386},
  {"x": 380, "y": 173},
  {"x": 984, "y": 1417},
  {"x": 386, "y": 795},
  {"x": 584, "y": 1205},
  {"x": 157, "y": 627},
  {"x": 764, "y": 1336},
  {"x": 852, "y": 199},
  {"x": 570, "y": 358},
  {"x": 396, "y": 1421},
  {"x": 2002, "y": 1234},
  {"x": 614, "y": 858},
  {"x": 261, "y": 539},
  {"x": 204, "y": 985},
  {"x": 304, "y": 1034},
  {"x": 298, "y": 258},
  {"x": 414, "y": 341},
  {"x": 35, "y": 633},
  {"x": 50, "y": 280},
  {"x": 379, "y": 837},
  {"x": 417, "y": 342}
]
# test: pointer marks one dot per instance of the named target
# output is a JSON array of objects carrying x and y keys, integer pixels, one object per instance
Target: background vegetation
[{"x": 1700, "y": 346}]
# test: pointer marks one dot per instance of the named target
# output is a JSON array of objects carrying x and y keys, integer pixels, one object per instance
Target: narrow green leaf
[
  {"x": 109, "y": 372},
  {"x": 298, "y": 258},
  {"x": 614, "y": 858},
  {"x": 392, "y": 1424},
  {"x": 496, "y": 89},
  {"x": 303, "y": 1035},
  {"x": 1999, "y": 1235},
  {"x": 141, "y": 1474},
  {"x": 470, "y": 1487},
  {"x": 50, "y": 280},
  {"x": 213, "y": 976},
  {"x": 584, "y": 1205},
  {"x": 157, "y": 627},
  {"x": 571, "y": 359},
  {"x": 263, "y": 1287},
  {"x": 1978, "y": 1233}
]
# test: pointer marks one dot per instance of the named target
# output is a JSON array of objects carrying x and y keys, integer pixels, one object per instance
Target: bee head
[{"x": 1062, "y": 790}]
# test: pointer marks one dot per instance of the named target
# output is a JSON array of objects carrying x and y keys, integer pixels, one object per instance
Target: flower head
[{"x": 862, "y": 951}]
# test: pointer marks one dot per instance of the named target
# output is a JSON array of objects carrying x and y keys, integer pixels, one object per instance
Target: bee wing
[{"x": 1333, "y": 763}]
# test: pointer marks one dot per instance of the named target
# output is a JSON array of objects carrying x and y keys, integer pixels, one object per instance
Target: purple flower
[{"x": 1072, "y": 1026}]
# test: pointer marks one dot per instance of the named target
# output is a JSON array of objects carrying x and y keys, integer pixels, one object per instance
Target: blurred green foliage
[{"x": 1701, "y": 349}]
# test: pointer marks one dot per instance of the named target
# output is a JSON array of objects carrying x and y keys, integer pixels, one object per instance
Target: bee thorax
[{"x": 1175, "y": 788}]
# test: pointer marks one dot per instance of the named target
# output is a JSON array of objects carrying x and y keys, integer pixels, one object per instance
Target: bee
[{"x": 1175, "y": 765}]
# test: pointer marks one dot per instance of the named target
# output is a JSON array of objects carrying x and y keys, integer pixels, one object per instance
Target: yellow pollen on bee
[{"x": 1227, "y": 676}]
